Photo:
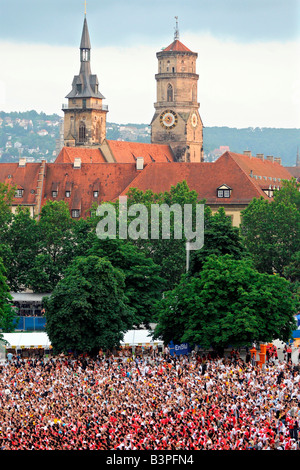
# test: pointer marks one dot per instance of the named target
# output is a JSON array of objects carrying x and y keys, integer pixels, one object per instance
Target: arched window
[
  {"x": 82, "y": 132},
  {"x": 170, "y": 92}
]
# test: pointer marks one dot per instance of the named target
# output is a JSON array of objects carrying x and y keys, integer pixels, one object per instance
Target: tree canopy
[
  {"x": 228, "y": 303},
  {"x": 88, "y": 309}
]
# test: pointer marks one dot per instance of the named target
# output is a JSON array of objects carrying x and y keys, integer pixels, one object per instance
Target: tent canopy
[
  {"x": 139, "y": 337},
  {"x": 27, "y": 340}
]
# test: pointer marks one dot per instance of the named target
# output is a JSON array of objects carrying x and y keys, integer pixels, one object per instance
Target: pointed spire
[
  {"x": 85, "y": 38},
  {"x": 176, "y": 34}
]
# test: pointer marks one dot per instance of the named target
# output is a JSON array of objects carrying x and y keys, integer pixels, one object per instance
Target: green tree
[
  {"x": 271, "y": 233},
  {"x": 88, "y": 309},
  {"x": 228, "y": 304},
  {"x": 7, "y": 314},
  {"x": 169, "y": 253},
  {"x": 54, "y": 233},
  {"x": 20, "y": 249},
  {"x": 6, "y": 197},
  {"x": 220, "y": 238},
  {"x": 143, "y": 284},
  {"x": 289, "y": 193}
]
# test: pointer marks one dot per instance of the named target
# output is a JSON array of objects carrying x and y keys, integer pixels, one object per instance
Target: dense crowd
[{"x": 160, "y": 402}]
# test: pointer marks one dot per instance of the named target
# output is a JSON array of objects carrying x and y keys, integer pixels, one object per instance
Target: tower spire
[{"x": 176, "y": 34}]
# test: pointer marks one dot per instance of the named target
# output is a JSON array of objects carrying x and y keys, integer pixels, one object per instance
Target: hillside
[{"x": 36, "y": 136}]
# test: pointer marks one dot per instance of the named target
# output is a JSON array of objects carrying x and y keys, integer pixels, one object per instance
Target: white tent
[
  {"x": 139, "y": 338},
  {"x": 26, "y": 340}
]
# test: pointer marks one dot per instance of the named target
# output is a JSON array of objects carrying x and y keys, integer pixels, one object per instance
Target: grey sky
[
  {"x": 125, "y": 22},
  {"x": 248, "y": 56}
]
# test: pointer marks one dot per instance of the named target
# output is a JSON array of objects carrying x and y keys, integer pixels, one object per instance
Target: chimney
[
  {"x": 22, "y": 161},
  {"x": 77, "y": 163},
  {"x": 247, "y": 152},
  {"x": 140, "y": 163},
  {"x": 277, "y": 160},
  {"x": 260, "y": 156},
  {"x": 270, "y": 158}
]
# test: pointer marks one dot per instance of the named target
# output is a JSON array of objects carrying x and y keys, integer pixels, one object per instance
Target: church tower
[
  {"x": 84, "y": 115},
  {"x": 176, "y": 120}
]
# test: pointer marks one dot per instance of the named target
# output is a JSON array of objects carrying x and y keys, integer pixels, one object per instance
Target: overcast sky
[{"x": 248, "y": 56}]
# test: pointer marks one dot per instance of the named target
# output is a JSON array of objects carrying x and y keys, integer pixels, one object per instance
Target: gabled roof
[
  {"x": 176, "y": 46},
  {"x": 128, "y": 152},
  {"x": 230, "y": 169},
  {"x": 109, "y": 179},
  {"x": 22, "y": 177},
  {"x": 263, "y": 172},
  {"x": 87, "y": 155}
]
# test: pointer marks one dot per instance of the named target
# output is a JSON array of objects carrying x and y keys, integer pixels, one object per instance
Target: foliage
[
  {"x": 7, "y": 314},
  {"x": 229, "y": 303},
  {"x": 271, "y": 232},
  {"x": 143, "y": 284},
  {"x": 87, "y": 309},
  {"x": 20, "y": 249},
  {"x": 54, "y": 239},
  {"x": 220, "y": 238},
  {"x": 167, "y": 252}
]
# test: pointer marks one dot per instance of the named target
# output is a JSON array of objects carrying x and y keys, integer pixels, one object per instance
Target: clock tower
[
  {"x": 84, "y": 115},
  {"x": 176, "y": 120}
]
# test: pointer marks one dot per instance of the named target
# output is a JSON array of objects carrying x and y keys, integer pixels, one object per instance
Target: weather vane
[{"x": 176, "y": 35}]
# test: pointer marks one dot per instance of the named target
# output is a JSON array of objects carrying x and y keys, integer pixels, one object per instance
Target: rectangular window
[
  {"x": 75, "y": 213},
  {"x": 68, "y": 193},
  {"x": 54, "y": 193},
  {"x": 224, "y": 192},
  {"x": 19, "y": 193},
  {"x": 96, "y": 193}
]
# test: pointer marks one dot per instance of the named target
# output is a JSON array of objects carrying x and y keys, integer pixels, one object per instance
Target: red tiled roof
[
  {"x": 263, "y": 172},
  {"x": 127, "y": 152},
  {"x": 230, "y": 169},
  {"x": 294, "y": 171},
  {"x": 176, "y": 46},
  {"x": 87, "y": 155},
  {"x": 22, "y": 177},
  {"x": 108, "y": 178}
]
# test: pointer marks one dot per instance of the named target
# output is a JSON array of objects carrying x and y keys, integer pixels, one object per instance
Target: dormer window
[
  {"x": 224, "y": 191},
  {"x": 19, "y": 193}
]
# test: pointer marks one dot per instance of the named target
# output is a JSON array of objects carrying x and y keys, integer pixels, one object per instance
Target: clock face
[
  {"x": 194, "y": 120},
  {"x": 168, "y": 119}
]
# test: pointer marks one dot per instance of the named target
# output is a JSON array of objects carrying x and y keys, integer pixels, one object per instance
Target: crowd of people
[{"x": 161, "y": 402}]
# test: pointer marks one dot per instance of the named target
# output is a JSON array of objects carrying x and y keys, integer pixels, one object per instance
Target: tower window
[
  {"x": 82, "y": 132},
  {"x": 173, "y": 69},
  {"x": 170, "y": 92}
]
